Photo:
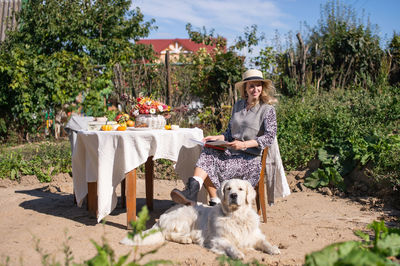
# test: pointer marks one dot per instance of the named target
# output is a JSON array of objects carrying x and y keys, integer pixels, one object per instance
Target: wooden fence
[
  {"x": 8, "y": 9},
  {"x": 168, "y": 82}
]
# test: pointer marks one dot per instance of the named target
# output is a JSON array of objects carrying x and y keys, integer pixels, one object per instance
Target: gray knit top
[{"x": 257, "y": 123}]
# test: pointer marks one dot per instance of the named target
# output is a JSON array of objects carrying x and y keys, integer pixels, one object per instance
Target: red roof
[{"x": 160, "y": 45}]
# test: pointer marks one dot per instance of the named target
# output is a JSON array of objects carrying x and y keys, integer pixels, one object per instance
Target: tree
[
  {"x": 394, "y": 54},
  {"x": 100, "y": 29},
  {"x": 62, "y": 49},
  {"x": 215, "y": 72}
]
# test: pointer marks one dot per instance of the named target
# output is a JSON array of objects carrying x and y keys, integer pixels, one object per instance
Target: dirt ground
[{"x": 305, "y": 221}]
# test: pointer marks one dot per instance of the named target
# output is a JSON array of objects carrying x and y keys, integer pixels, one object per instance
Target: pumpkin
[{"x": 106, "y": 127}]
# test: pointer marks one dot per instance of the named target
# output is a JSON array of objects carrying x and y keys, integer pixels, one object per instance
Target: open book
[{"x": 215, "y": 144}]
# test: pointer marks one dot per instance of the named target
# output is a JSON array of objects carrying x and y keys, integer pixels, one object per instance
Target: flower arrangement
[{"x": 145, "y": 105}]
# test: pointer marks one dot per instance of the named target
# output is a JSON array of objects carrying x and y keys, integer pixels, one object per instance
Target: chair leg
[
  {"x": 258, "y": 201},
  {"x": 261, "y": 202},
  {"x": 261, "y": 187}
]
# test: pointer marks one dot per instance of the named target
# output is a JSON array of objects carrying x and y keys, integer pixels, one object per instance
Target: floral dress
[{"x": 230, "y": 164}]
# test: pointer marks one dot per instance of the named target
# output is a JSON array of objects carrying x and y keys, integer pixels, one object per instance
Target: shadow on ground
[{"x": 62, "y": 205}]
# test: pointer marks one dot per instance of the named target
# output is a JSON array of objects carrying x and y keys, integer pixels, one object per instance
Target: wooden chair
[{"x": 260, "y": 188}]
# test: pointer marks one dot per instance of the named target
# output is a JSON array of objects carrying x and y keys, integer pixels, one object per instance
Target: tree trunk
[
  {"x": 302, "y": 59},
  {"x": 292, "y": 65},
  {"x": 347, "y": 72}
]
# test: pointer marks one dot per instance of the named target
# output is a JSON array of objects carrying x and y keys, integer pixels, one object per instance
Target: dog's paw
[
  {"x": 187, "y": 241},
  {"x": 127, "y": 241},
  {"x": 235, "y": 253},
  {"x": 241, "y": 256},
  {"x": 237, "y": 256},
  {"x": 275, "y": 250}
]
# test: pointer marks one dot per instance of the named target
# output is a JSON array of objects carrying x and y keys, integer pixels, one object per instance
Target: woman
[{"x": 251, "y": 128}]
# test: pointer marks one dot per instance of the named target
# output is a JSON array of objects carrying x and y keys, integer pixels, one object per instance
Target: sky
[{"x": 229, "y": 18}]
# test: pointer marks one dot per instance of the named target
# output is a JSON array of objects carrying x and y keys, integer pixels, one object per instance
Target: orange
[
  {"x": 121, "y": 128},
  {"x": 130, "y": 123},
  {"x": 167, "y": 127}
]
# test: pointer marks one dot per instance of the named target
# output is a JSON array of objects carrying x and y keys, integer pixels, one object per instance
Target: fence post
[
  {"x": 168, "y": 89},
  {"x": 8, "y": 21}
]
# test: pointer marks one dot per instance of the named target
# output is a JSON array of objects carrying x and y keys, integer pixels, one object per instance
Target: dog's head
[{"x": 236, "y": 193}]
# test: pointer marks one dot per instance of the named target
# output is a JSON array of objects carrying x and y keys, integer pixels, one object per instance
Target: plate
[{"x": 138, "y": 128}]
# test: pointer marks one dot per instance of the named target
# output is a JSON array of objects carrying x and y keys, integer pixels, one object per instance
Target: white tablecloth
[
  {"x": 75, "y": 124},
  {"x": 106, "y": 156}
]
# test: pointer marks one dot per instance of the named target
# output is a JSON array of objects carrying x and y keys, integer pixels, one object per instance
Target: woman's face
[{"x": 253, "y": 89}]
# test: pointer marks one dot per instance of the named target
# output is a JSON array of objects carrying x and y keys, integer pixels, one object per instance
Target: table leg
[
  {"x": 123, "y": 197},
  {"x": 130, "y": 179},
  {"x": 73, "y": 194},
  {"x": 92, "y": 199},
  {"x": 149, "y": 173},
  {"x": 128, "y": 188}
]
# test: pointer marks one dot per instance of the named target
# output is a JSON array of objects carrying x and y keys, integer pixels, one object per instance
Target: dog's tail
[{"x": 151, "y": 236}]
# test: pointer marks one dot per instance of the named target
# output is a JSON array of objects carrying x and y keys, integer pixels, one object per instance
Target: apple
[
  {"x": 130, "y": 123},
  {"x": 118, "y": 117}
]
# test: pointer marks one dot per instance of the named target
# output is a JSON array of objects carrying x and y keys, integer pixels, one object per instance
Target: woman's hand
[{"x": 237, "y": 145}]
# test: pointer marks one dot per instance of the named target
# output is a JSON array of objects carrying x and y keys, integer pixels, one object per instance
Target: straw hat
[{"x": 252, "y": 75}]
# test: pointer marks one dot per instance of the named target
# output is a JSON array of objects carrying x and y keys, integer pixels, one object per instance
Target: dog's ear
[
  {"x": 251, "y": 193},
  {"x": 221, "y": 190}
]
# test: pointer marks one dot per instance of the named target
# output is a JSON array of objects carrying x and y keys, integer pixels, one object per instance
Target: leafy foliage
[
  {"x": 42, "y": 160},
  {"x": 325, "y": 177},
  {"x": 33, "y": 84},
  {"x": 105, "y": 254},
  {"x": 214, "y": 74},
  {"x": 345, "y": 129},
  {"x": 217, "y": 119},
  {"x": 52, "y": 58},
  {"x": 394, "y": 54},
  {"x": 98, "y": 29},
  {"x": 250, "y": 39},
  {"x": 340, "y": 52},
  {"x": 382, "y": 250}
]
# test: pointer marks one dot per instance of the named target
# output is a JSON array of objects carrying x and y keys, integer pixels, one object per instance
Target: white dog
[{"x": 224, "y": 229}]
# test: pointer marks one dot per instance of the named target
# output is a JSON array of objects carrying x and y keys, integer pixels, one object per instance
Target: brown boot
[{"x": 189, "y": 195}]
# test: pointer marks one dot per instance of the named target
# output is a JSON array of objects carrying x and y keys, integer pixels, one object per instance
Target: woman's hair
[{"x": 267, "y": 92}]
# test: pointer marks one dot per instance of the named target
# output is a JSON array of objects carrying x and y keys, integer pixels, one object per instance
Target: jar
[{"x": 152, "y": 121}]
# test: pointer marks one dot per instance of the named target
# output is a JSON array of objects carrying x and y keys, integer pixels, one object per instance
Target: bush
[
  {"x": 382, "y": 250},
  {"x": 344, "y": 129},
  {"x": 215, "y": 120},
  {"x": 42, "y": 160}
]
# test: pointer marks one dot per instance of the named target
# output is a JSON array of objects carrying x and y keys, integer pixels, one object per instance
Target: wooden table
[
  {"x": 128, "y": 193},
  {"x": 102, "y": 160}
]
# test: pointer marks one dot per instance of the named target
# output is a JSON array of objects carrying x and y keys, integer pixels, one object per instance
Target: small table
[{"x": 103, "y": 159}]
